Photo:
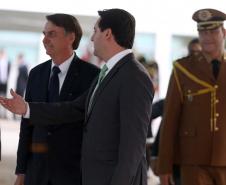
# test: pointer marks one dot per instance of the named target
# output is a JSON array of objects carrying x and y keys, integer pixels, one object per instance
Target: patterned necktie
[
  {"x": 101, "y": 75},
  {"x": 215, "y": 66},
  {"x": 54, "y": 85}
]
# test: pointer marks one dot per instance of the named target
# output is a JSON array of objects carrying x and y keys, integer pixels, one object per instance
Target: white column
[{"x": 163, "y": 58}]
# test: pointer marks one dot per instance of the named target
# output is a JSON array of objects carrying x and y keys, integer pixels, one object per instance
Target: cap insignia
[{"x": 204, "y": 15}]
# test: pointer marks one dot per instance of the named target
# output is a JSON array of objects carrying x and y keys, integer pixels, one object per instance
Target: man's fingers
[
  {"x": 13, "y": 93},
  {"x": 166, "y": 179},
  {"x": 5, "y": 106},
  {"x": 3, "y": 100},
  {"x": 171, "y": 180}
]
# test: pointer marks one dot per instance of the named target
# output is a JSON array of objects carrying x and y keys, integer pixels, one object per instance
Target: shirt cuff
[{"x": 27, "y": 115}]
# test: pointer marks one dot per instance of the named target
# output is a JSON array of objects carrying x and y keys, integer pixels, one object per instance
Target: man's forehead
[
  {"x": 97, "y": 23},
  {"x": 50, "y": 27}
]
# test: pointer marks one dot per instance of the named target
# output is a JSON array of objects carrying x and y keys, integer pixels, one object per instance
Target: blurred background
[{"x": 163, "y": 31}]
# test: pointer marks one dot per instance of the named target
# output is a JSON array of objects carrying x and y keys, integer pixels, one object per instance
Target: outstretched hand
[{"x": 16, "y": 105}]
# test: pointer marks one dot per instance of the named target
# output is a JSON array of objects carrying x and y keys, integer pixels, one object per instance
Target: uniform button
[
  {"x": 185, "y": 133},
  {"x": 217, "y": 114},
  {"x": 217, "y": 101},
  {"x": 216, "y": 86},
  {"x": 49, "y": 133}
]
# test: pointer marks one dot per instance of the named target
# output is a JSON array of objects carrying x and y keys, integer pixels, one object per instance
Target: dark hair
[
  {"x": 191, "y": 50},
  {"x": 122, "y": 24},
  {"x": 193, "y": 41},
  {"x": 70, "y": 25}
]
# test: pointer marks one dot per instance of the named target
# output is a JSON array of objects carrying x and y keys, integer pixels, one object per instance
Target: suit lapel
[
  {"x": 44, "y": 83},
  {"x": 221, "y": 74},
  {"x": 105, "y": 82},
  {"x": 91, "y": 89},
  {"x": 204, "y": 68},
  {"x": 71, "y": 76}
]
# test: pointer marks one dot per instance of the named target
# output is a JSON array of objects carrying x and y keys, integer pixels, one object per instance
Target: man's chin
[
  {"x": 48, "y": 53},
  {"x": 208, "y": 51},
  {"x": 94, "y": 53}
]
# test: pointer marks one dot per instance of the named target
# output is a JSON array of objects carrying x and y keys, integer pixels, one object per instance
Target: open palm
[{"x": 16, "y": 105}]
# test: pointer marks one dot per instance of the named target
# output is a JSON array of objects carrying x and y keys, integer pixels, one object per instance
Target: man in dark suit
[
  {"x": 22, "y": 76},
  {"x": 117, "y": 107},
  {"x": 51, "y": 154}
]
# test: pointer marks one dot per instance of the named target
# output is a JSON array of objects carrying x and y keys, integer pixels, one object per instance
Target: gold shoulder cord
[{"x": 209, "y": 88}]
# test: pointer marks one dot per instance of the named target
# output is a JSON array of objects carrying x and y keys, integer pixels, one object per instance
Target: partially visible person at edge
[
  {"x": 22, "y": 77},
  {"x": 117, "y": 107},
  {"x": 157, "y": 111},
  {"x": 51, "y": 154},
  {"x": 194, "y": 47},
  {"x": 193, "y": 125},
  {"x": 4, "y": 75}
]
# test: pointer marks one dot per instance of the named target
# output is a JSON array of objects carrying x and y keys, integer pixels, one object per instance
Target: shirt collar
[
  {"x": 113, "y": 60},
  {"x": 65, "y": 65}
]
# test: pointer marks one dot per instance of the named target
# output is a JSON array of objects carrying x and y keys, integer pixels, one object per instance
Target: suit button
[
  {"x": 49, "y": 133},
  {"x": 85, "y": 129}
]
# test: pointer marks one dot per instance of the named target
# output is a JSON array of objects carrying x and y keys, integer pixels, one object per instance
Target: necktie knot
[
  {"x": 56, "y": 70},
  {"x": 215, "y": 62},
  {"x": 215, "y": 67},
  {"x": 102, "y": 72}
]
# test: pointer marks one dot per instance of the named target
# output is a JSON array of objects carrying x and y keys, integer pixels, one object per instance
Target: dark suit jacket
[
  {"x": 157, "y": 111},
  {"x": 113, "y": 150},
  {"x": 62, "y": 162},
  {"x": 22, "y": 80}
]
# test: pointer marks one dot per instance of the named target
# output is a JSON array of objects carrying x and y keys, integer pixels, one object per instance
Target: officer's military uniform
[{"x": 193, "y": 132}]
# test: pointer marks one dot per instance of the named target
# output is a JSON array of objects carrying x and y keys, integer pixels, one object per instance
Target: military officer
[{"x": 194, "y": 120}]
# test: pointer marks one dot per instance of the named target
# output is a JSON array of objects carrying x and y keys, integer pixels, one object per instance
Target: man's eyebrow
[{"x": 52, "y": 31}]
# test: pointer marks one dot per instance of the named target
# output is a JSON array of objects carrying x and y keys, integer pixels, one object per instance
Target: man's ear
[
  {"x": 72, "y": 37},
  {"x": 224, "y": 33},
  {"x": 108, "y": 33}
]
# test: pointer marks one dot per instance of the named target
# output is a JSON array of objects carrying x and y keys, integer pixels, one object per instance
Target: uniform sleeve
[{"x": 170, "y": 121}]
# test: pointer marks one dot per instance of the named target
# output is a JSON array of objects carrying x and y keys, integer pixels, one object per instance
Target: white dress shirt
[
  {"x": 64, "y": 69},
  {"x": 110, "y": 64},
  {"x": 114, "y": 60}
]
